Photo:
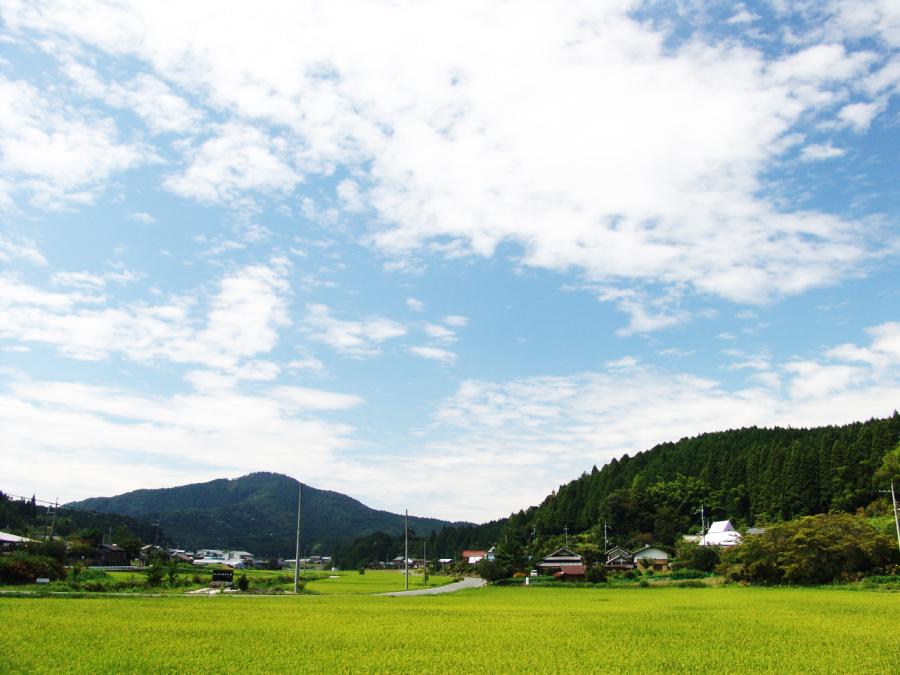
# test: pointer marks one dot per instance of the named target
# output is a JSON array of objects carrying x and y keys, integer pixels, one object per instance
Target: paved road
[{"x": 468, "y": 582}]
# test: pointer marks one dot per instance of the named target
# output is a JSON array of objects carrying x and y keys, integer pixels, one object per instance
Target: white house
[
  {"x": 721, "y": 533},
  {"x": 652, "y": 558}
]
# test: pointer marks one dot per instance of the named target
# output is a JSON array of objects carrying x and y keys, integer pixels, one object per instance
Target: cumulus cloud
[
  {"x": 241, "y": 319},
  {"x": 415, "y": 305},
  {"x": 359, "y": 339},
  {"x": 434, "y": 354},
  {"x": 817, "y": 152},
  {"x": 584, "y": 136},
  {"x": 52, "y": 152},
  {"x": 21, "y": 249}
]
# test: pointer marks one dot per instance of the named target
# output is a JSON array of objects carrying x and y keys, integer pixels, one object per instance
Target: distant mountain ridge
[{"x": 257, "y": 513}]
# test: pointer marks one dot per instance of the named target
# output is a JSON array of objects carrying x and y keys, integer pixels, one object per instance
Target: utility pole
[
  {"x": 406, "y": 548},
  {"x": 297, "y": 547},
  {"x": 605, "y": 537},
  {"x": 702, "y": 522},
  {"x": 156, "y": 538},
  {"x": 896, "y": 518},
  {"x": 53, "y": 521},
  {"x": 566, "y": 529}
]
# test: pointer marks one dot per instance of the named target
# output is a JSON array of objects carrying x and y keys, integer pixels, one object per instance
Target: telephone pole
[
  {"x": 53, "y": 522},
  {"x": 297, "y": 548},
  {"x": 896, "y": 518},
  {"x": 406, "y": 548},
  {"x": 605, "y": 537},
  {"x": 566, "y": 528}
]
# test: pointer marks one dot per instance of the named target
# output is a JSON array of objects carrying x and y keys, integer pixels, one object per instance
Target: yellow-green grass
[{"x": 735, "y": 630}]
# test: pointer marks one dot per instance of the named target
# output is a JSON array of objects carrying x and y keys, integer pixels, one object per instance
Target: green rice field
[{"x": 730, "y": 629}]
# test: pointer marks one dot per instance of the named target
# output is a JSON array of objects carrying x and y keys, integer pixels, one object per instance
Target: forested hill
[
  {"x": 747, "y": 475},
  {"x": 256, "y": 513}
]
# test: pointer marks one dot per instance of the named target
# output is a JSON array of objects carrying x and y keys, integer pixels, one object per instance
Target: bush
[
  {"x": 155, "y": 574},
  {"x": 23, "y": 568},
  {"x": 691, "y": 583},
  {"x": 690, "y": 555},
  {"x": 595, "y": 574},
  {"x": 812, "y": 550},
  {"x": 243, "y": 582},
  {"x": 362, "y": 570}
]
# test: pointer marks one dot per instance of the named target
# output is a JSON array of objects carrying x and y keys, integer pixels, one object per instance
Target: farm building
[
  {"x": 721, "y": 533},
  {"x": 651, "y": 558},
  {"x": 561, "y": 560}
]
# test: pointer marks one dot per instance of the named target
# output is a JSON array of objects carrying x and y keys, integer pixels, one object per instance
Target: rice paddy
[{"x": 493, "y": 629}]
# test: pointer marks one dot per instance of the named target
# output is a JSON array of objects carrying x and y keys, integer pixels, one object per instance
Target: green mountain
[
  {"x": 256, "y": 513},
  {"x": 751, "y": 476}
]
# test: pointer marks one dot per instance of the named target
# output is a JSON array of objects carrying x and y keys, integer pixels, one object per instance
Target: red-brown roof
[
  {"x": 571, "y": 571},
  {"x": 474, "y": 554}
]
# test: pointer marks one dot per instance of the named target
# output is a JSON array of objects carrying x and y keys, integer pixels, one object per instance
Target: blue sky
[{"x": 438, "y": 256}]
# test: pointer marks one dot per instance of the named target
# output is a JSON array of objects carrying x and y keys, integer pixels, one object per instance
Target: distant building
[
  {"x": 109, "y": 555},
  {"x": 473, "y": 557},
  {"x": 11, "y": 542},
  {"x": 561, "y": 560},
  {"x": 651, "y": 558},
  {"x": 721, "y": 533}
]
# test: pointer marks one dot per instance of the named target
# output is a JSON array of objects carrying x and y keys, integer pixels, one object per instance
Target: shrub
[
  {"x": 155, "y": 574},
  {"x": 812, "y": 550},
  {"x": 362, "y": 570},
  {"x": 23, "y": 568},
  {"x": 690, "y": 555},
  {"x": 243, "y": 582},
  {"x": 595, "y": 574}
]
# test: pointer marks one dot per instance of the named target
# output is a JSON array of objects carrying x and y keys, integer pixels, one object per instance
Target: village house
[
  {"x": 473, "y": 557},
  {"x": 651, "y": 558},
  {"x": 619, "y": 559},
  {"x": 110, "y": 555},
  {"x": 561, "y": 560}
]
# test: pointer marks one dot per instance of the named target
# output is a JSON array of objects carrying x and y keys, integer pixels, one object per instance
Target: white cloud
[
  {"x": 142, "y": 217},
  {"x": 312, "y": 364},
  {"x": 456, "y": 320},
  {"x": 742, "y": 16},
  {"x": 859, "y": 115},
  {"x": 438, "y": 332},
  {"x": 545, "y": 430},
  {"x": 302, "y": 398},
  {"x": 105, "y": 440},
  {"x": 818, "y": 152},
  {"x": 54, "y": 153},
  {"x": 434, "y": 354},
  {"x": 241, "y": 320},
  {"x": 415, "y": 305},
  {"x": 23, "y": 249},
  {"x": 583, "y": 136},
  {"x": 358, "y": 339},
  {"x": 239, "y": 159}
]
